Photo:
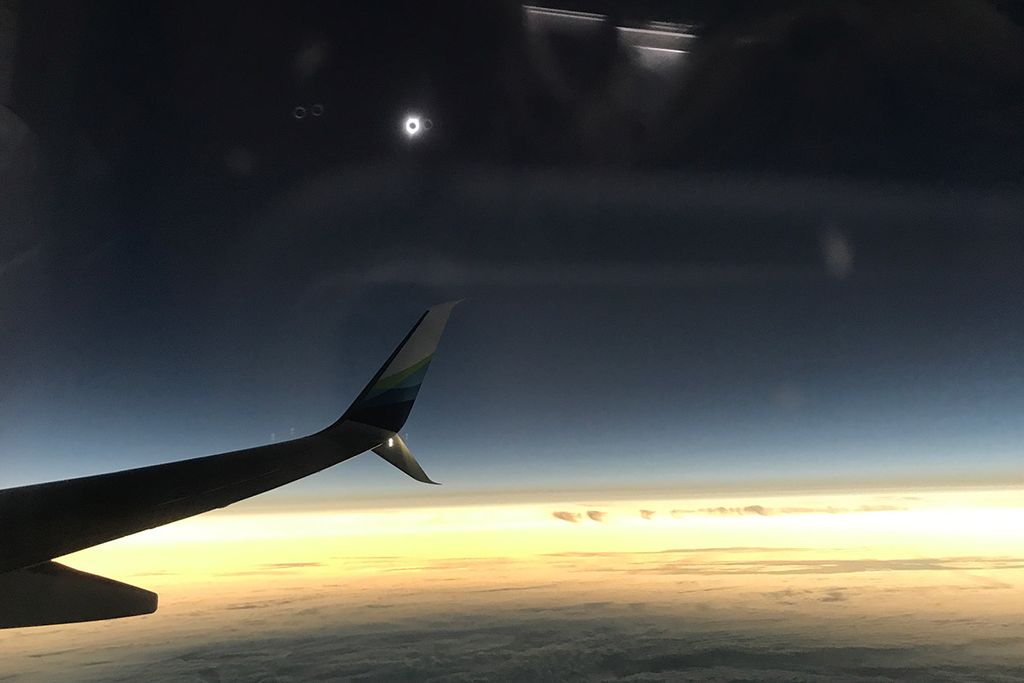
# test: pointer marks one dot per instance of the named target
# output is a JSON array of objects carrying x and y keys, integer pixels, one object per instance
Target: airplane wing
[{"x": 44, "y": 521}]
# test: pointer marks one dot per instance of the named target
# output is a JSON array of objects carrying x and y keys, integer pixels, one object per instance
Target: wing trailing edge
[{"x": 51, "y": 593}]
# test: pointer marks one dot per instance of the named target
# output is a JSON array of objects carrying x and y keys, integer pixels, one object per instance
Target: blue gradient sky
[
  {"x": 748, "y": 382},
  {"x": 792, "y": 257}
]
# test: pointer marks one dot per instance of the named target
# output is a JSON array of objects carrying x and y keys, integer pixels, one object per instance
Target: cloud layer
[{"x": 590, "y": 641}]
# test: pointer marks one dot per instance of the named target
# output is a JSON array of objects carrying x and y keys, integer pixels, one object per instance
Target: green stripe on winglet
[{"x": 385, "y": 383}]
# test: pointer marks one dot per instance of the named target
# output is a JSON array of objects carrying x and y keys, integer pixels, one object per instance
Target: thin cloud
[
  {"x": 836, "y": 595},
  {"x": 446, "y": 273},
  {"x": 648, "y": 514},
  {"x": 763, "y": 511},
  {"x": 597, "y": 515},
  {"x": 880, "y": 508},
  {"x": 573, "y": 517},
  {"x": 689, "y": 566},
  {"x": 672, "y": 551}
]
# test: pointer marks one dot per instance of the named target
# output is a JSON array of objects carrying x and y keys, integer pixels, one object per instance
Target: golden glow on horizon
[
  {"x": 230, "y": 546},
  {"x": 885, "y": 569}
]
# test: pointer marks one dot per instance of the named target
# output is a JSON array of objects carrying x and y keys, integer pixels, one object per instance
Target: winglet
[
  {"x": 398, "y": 454},
  {"x": 387, "y": 399}
]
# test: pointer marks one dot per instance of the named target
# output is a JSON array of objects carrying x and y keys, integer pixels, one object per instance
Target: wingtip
[{"x": 448, "y": 304}]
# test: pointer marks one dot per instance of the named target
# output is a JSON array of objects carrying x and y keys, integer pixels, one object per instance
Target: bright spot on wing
[{"x": 391, "y": 442}]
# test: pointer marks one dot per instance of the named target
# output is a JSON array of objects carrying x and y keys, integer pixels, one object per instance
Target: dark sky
[{"x": 794, "y": 258}]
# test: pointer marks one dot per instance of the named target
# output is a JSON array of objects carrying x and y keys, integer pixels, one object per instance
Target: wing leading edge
[{"x": 45, "y": 521}]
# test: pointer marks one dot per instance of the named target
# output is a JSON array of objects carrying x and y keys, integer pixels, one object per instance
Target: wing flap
[{"x": 52, "y": 593}]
